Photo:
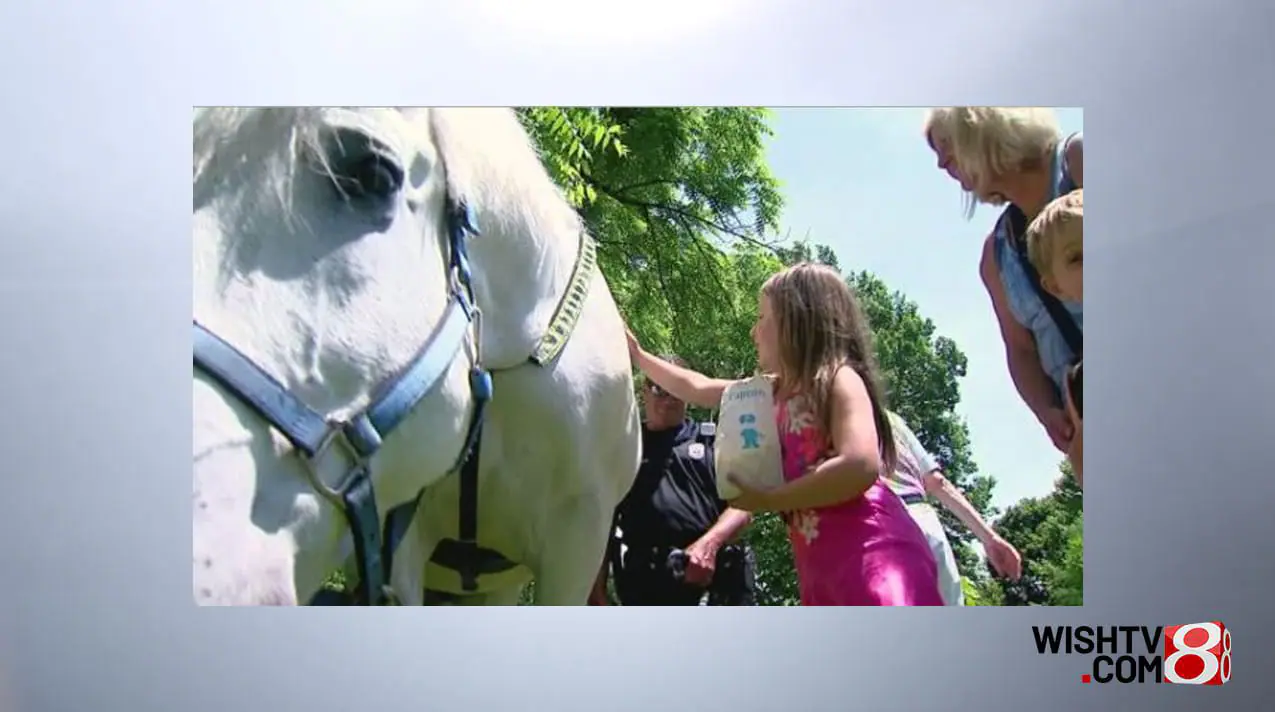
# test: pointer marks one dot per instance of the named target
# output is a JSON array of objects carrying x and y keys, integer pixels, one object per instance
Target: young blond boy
[
  {"x": 1054, "y": 245},
  {"x": 1055, "y": 248}
]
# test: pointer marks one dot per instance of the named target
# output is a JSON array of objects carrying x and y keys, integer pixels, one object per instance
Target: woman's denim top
[{"x": 1024, "y": 302}]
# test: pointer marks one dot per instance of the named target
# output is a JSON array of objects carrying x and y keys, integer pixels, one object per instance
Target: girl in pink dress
[{"x": 853, "y": 541}]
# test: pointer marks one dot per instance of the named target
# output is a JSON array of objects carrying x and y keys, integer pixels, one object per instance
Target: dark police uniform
[{"x": 672, "y": 503}]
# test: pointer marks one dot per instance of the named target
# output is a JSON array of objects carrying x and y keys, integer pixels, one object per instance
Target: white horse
[{"x": 326, "y": 256}]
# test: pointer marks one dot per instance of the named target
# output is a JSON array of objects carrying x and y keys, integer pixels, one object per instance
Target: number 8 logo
[{"x": 1211, "y": 663}]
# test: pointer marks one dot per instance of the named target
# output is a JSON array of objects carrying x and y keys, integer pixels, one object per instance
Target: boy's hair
[
  {"x": 988, "y": 142},
  {"x": 822, "y": 328},
  {"x": 1061, "y": 221}
]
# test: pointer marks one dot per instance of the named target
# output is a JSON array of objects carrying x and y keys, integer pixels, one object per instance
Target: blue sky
[{"x": 864, "y": 182}]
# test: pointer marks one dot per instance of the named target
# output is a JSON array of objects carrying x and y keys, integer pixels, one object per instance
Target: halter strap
[{"x": 311, "y": 434}]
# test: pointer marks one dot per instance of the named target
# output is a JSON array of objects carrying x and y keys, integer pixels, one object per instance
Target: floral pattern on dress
[
  {"x": 806, "y": 523},
  {"x": 803, "y": 449},
  {"x": 799, "y": 417}
]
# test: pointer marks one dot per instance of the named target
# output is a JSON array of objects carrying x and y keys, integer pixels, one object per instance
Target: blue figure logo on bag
[{"x": 752, "y": 438}]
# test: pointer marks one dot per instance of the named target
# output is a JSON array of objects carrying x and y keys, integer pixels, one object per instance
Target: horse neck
[{"x": 521, "y": 271}]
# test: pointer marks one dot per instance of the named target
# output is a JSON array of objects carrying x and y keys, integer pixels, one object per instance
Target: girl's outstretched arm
[{"x": 685, "y": 384}]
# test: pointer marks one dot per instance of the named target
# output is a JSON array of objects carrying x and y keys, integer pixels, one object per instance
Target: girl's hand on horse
[{"x": 635, "y": 348}]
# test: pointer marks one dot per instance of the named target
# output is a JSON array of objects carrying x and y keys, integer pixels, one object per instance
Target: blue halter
[{"x": 362, "y": 435}]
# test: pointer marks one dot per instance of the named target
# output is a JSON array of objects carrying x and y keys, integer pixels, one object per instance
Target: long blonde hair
[
  {"x": 989, "y": 142},
  {"x": 821, "y": 328}
]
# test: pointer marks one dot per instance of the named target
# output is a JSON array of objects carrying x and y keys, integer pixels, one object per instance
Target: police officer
[{"x": 673, "y": 508}]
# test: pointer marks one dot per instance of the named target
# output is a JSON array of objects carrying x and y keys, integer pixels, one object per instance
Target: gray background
[{"x": 95, "y": 598}]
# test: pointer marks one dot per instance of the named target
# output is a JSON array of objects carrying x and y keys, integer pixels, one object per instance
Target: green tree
[
  {"x": 974, "y": 596},
  {"x": 682, "y": 205},
  {"x": 1049, "y": 532},
  {"x": 1066, "y": 577},
  {"x": 692, "y": 186},
  {"x": 569, "y": 140}
]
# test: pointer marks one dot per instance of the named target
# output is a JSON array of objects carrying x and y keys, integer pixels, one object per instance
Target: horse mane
[{"x": 492, "y": 164}]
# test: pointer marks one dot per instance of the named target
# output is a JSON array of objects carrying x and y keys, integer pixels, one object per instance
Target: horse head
[{"x": 321, "y": 256}]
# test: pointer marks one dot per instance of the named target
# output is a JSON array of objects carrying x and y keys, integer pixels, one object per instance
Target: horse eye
[{"x": 372, "y": 175}]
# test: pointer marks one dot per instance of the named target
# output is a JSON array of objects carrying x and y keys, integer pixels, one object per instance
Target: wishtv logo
[{"x": 1192, "y": 654}]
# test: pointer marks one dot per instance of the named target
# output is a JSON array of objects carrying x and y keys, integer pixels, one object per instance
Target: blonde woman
[{"x": 1018, "y": 158}]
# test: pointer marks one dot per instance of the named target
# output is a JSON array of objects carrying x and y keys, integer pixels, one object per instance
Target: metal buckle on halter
[
  {"x": 335, "y": 436},
  {"x": 476, "y": 336},
  {"x": 462, "y": 290}
]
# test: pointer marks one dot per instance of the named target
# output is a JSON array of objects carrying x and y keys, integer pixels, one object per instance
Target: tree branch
[{"x": 675, "y": 210}]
